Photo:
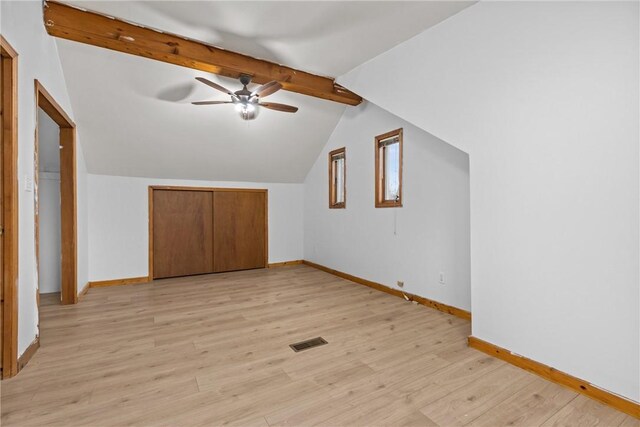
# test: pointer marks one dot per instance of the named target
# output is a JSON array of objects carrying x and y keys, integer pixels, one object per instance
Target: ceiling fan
[{"x": 247, "y": 102}]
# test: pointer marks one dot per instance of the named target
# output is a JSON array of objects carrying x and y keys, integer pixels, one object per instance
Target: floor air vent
[{"x": 304, "y": 345}]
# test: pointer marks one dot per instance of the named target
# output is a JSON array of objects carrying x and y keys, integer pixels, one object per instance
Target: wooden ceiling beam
[{"x": 95, "y": 29}]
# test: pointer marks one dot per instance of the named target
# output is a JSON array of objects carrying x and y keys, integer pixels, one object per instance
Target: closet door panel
[
  {"x": 182, "y": 233},
  {"x": 239, "y": 227}
]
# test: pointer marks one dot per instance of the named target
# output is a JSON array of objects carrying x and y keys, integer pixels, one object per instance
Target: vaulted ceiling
[{"x": 134, "y": 114}]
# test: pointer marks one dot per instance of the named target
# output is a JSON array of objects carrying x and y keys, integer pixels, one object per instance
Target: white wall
[
  {"x": 83, "y": 216},
  {"x": 22, "y": 26},
  {"x": 50, "y": 259},
  {"x": 428, "y": 235},
  {"x": 544, "y": 97},
  {"x": 119, "y": 227}
]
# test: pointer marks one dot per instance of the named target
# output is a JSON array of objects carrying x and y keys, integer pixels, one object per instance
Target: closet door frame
[{"x": 152, "y": 188}]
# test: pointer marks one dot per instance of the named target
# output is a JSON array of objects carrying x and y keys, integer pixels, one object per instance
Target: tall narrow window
[
  {"x": 389, "y": 169},
  {"x": 337, "y": 179}
]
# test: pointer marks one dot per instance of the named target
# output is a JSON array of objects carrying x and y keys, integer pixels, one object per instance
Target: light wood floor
[{"x": 213, "y": 350}]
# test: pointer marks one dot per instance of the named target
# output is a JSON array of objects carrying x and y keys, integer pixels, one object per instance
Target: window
[
  {"x": 389, "y": 169},
  {"x": 337, "y": 179}
]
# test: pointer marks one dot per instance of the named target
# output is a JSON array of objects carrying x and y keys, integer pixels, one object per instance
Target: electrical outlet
[
  {"x": 400, "y": 284},
  {"x": 442, "y": 277}
]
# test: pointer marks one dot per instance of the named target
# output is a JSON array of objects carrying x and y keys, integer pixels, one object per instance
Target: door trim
[
  {"x": 152, "y": 188},
  {"x": 68, "y": 192},
  {"x": 9, "y": 154}
]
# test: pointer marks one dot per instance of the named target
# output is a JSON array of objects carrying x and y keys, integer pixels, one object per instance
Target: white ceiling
[{"x": 134, "y": 114}]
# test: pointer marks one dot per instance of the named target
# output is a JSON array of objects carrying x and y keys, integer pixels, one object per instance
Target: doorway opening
[
  {"x": 49, "y": 204},
  {"x": 55, "y": 200},
  {"x": 8, "y": 210}
]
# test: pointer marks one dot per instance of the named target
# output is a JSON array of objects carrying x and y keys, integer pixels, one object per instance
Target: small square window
[
  {"x": 389, "y": 169},
  {"x": 337, "y": 179}
]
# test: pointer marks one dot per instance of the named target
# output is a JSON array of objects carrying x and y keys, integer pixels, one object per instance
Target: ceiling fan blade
[
  {"x": 267, "y": 89},
  {"x": 279, "y": 107},
  {"x": 214, "y": 85},
  {"x": 211, "y": 102}
]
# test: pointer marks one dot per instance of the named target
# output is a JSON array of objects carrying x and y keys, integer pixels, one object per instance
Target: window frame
[
  {"x": 380, "y": 201},
  {"x": 332, "y": 180}
]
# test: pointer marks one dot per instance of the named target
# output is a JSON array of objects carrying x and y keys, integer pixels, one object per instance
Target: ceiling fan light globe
[
  {"x": 247, "y": 110},
  {"x": 250, "y": 112}
]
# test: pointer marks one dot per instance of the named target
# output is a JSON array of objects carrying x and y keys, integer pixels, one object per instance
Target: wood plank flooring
[{"x": 214, "y": 350}]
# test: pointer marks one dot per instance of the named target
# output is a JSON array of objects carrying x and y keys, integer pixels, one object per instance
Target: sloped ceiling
[
  {"x": 48, "y": 143},
  {"x": 134, "y": 114}
]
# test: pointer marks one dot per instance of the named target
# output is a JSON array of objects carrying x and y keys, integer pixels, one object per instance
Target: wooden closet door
[
  {"x": 239, "y": 227},
  {"x": 182, "y": 233}
]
